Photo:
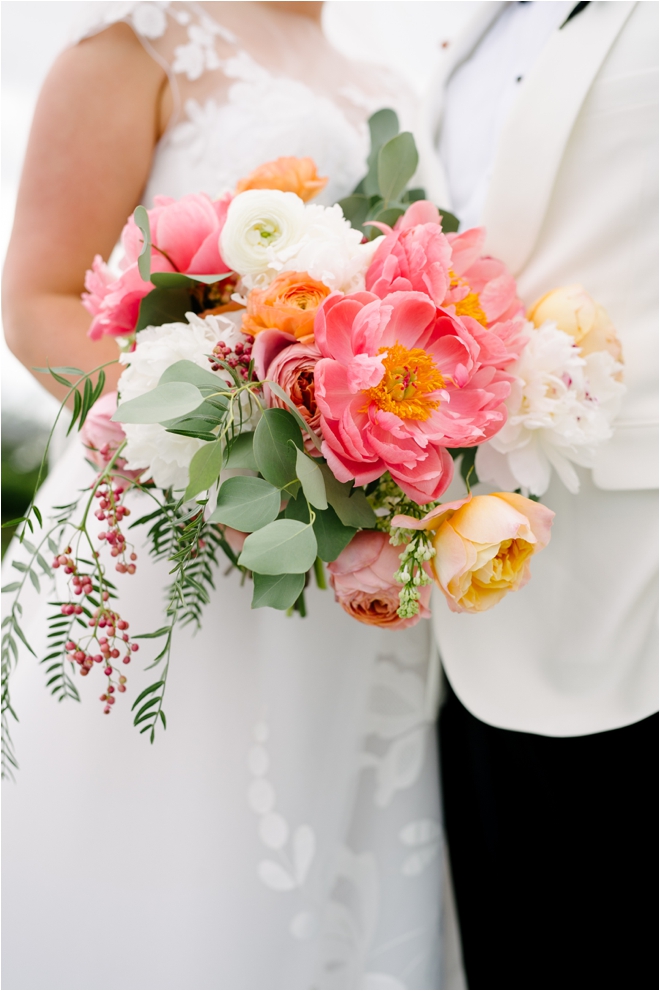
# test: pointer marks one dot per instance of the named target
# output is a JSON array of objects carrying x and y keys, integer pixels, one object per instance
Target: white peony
[
  {"x": 259, "y": 222},
  {"x": 560, "y": 410},
  {"x": 164, "y": 456},
  {"x": 268, "y": 232}
]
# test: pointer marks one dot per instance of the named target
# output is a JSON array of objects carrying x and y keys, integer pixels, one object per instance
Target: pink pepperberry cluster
[
  {"x": 81, "y": 584},
  {"x": 113, "y": 511},
  {"x": 115, "y": 637},
  {"x": 238, "y": 359}
]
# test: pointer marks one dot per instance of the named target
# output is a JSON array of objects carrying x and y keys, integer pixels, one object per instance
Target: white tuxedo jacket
[{"x": 573, "y": 198}]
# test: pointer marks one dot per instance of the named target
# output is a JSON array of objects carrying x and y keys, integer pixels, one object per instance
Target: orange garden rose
[
  {"x": 581, "y": 317},
  {"x": 291, "y": 175},
  {"x": 483, "y": 545},
  {"x": 288, "y": 304}
]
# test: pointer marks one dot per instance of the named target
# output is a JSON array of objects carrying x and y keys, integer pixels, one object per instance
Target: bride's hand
[{"x": 99, "y": 116}]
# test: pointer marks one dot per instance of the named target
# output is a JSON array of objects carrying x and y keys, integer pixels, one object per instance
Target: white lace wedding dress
[{"x": 285, "y": 831}]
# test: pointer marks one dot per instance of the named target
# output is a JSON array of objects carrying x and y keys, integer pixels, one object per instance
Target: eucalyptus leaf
[
  {"x": 171, "y": 399},
  {"x": 162, "y": 306},
  {"x": 383, "y": 126},
  {"x": 297, "y": 509},
  {"x": 279, "y": 391},
  {"x": 276, "y": 591},
  {"x": 412, "y": 195},
  {"x": 355, "y": 208},
  {"x": 274, "y": 456},
  {"x": 311, "y": 479},
  {"x": 246, "y": 503},
  {"x": 331, "y": 534},
  {"x": 282, "y": 547},
  {"x": 188, "y": 371},
  {"x": 397, "y": 162},
  {"x": 350, "y": 505},
  {"x": 141, "y": 218},
  {"x": 204, "y": 469},
  {"x": 241, "y": 454},
  {"x": 450, "y": 222}
]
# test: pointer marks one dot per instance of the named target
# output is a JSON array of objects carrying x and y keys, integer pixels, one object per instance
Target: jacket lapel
[
  {"x": 431, "y": 172},
  {"x": 534, "y": 137}
]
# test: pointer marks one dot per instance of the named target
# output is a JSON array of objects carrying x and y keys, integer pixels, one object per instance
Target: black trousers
[{"x": 553, "y": 845}]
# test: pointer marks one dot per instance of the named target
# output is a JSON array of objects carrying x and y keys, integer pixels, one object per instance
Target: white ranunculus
[
  {"x": 560, "y": 410},
  {"x": 268, "y": 232},
  {"x": 260, "y": 222},
  {"x": 164, "y": 456}
]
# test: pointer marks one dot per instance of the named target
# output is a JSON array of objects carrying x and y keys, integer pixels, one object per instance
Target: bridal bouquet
[{"x": 299, "y": 383}]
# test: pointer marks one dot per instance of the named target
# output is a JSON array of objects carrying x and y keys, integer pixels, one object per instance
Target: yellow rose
[
  {"x": 579, "y": 315},
  {"x": 483, "y": 546}
]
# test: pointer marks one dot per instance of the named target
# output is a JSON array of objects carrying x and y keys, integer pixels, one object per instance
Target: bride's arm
[{"x": 98, "y": 118}]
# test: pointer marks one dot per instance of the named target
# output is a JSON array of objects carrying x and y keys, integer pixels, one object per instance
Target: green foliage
[
  {"x": 311, "y": 479},
  {"x": 331, "y": 534},
  {"x": 284, "y": 542},
  {"x": 240, "y": 452},
  {"x": 467, "y": 457},
  {"x": 204, "y": 469},
  {"x": 277, "y": 591},
  {"x": 141, "y": 218},
  {"x": 162, "y": 306},
  {"x": 246, "y": 503},
  {"x": 383, "y": 126},
  {"x": 350, "y": 504},
  {"x": 275, "y": 458},
  {"x": 279, "y": 391},
  {"x": 187, "y": 371},
  {"x": 166, "y": 401},
  {"x": 397, "y": 162}
]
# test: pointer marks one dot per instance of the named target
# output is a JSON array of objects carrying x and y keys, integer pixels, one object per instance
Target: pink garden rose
[
  {"x": 185, "y": 235},
  {"x": 100, "y": 435},
  {"x": 363, "y": 580},
  {"x": 400, "y": 381},
  {"x": 283, "y": 359}
]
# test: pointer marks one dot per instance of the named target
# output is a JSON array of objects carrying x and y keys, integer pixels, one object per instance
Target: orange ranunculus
[
  {"x": 289, "y": 304},
  {"x": 483, "y": 545},
  {"x": 581, "y": 317},
  {"x": 291, "y": 175}
]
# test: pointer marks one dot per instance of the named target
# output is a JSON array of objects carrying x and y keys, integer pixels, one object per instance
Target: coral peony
[
  {"x": 399, "y": 382},
  {"x": 291, "y": 175},
  {"x": 184, "y": 236},
  {"x": 483, "y": 546},
  {"x": 416, "y": 255},
  {"x": 289, "y": 363},
  {"x": 288, "y": 304},
  {"x": 363, "y": 580}
]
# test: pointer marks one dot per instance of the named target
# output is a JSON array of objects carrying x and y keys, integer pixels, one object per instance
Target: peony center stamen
[
  {"x": 410, "y": 378},
  {"x": 470, "y": 305}
]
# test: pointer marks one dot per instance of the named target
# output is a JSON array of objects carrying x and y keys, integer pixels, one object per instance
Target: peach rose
[
  {"x": 291, "y": 175},
  {"x": 363, "y": 580},
  {"x": 581, "y": 317},
  {"x": 483, "y": 546},
  {"x": 288, "y": 304}
]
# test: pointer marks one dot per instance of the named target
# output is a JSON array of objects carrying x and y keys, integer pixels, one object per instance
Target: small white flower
[
  {"x": 149, "y": 446},
  {"x": 560, "y": 410}
]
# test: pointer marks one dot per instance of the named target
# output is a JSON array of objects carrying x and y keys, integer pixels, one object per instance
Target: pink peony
[
  {"x": 101, "y": 436},
  {"x": 416, "y": 255},
  {"x": 450, "y": 268},
  {"x": 363, "y": 580},
  {"x": 283, "y": 359},
  {"x": 400, "y": 381},
  {"x": 185, "y": 235}
]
